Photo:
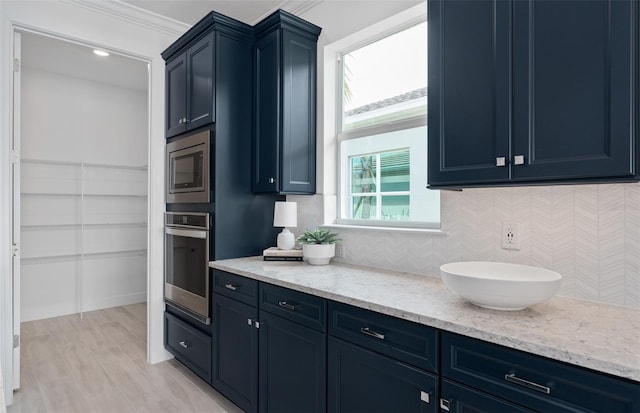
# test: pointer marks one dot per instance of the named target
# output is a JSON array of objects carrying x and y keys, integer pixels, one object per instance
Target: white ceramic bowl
[{"x": 501, "y": 286}]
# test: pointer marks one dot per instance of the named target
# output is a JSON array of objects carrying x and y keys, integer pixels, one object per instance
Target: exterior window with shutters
[{"x": 383, "y": 133}]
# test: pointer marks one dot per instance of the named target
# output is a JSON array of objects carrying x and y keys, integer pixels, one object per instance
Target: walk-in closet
[{"x": 83, "y": 164}]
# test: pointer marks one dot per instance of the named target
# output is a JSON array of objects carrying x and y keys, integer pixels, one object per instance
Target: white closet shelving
[{"x": 84, "y": 236}]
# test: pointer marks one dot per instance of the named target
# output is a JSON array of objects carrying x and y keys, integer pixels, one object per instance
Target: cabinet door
[
  {"x": 266, "y": 145},
  {"x": 176, "y": 95},
  {"x": 574, "y": 87},
  {"x": 360, "y": 380},
  {"x": 292, "y": 366},
  {"x": 461, "y": 399},
  {"x": 469, "y": 91},
  {"x": 298, "y": 150},
  {"x": 235, "y": 352},
  {"x": 200, "y": 83}
]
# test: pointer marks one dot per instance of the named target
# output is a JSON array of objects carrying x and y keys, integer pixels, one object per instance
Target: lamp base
[{"x": 286, "y": 240}]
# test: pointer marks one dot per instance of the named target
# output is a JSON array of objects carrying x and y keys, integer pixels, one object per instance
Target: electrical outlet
[
  {"x": 510, "y": 236},
  {"x": 339, "y": 251}
]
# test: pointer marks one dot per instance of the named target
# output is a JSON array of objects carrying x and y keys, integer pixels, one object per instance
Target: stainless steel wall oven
[
  {"x": 186, "y": 270},
  {"x": 188, "y": 169}
]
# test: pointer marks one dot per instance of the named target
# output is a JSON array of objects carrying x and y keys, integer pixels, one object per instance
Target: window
[
  {"x": 383, "y": 133},
  {"x": 386, "y": 80},
  {"x": 380, "y": 185}
]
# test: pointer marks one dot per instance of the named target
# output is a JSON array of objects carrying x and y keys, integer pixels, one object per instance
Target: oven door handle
[{"x": 186, "y": 233}]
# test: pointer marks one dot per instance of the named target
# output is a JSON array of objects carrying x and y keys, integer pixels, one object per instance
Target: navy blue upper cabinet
[
  {"x": 285, "y": 105},
  {"x": 194, "y": 79},
  {"x": 190, "y": 88},
  {"x": 469, "y": 92},
  {"x": 574, "y": 79},
  {"x": 532, "y": 91},
  {"x": 176, "y": 95},
  {"x": 201, "y": 104}
]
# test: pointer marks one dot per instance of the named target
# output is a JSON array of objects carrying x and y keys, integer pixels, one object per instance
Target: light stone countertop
[{"x": 601, "y": 337}]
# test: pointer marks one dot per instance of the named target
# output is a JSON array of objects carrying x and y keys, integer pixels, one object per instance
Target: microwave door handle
[{"x": 186, "y": 233}]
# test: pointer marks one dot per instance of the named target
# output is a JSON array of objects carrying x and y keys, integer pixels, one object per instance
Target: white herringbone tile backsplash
[{"x": 588, "y": 233}]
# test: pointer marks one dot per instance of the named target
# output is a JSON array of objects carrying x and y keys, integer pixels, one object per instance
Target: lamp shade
[{"x": 285, "y": 214}]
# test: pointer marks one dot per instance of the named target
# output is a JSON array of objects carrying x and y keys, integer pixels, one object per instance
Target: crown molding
[
  {"x": 301, "y": 9},
  {"x": 134, "y": 15},
  {"x": 296, "y": 7}
]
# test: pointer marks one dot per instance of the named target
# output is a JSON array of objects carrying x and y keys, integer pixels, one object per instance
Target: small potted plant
[{"x": 318, "y": 246}]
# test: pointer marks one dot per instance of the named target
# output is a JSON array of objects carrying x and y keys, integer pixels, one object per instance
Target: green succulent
[{"x": 318, "y": 236}]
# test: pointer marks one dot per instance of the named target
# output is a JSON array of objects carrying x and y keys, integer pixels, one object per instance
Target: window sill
[{"x": 430, "y": 231}]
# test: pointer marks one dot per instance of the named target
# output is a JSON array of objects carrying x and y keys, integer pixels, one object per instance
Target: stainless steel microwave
[{"x": 188, "y": 169}]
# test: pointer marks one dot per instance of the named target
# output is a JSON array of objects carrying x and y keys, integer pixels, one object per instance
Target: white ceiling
[
  {"x": 337, "y": 18},
  {"x": 190, "y": 11},
  {"x": 71, "y": 59}
]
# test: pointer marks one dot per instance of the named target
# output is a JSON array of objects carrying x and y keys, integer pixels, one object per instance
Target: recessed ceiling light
[{"x": 100, "y": 53}]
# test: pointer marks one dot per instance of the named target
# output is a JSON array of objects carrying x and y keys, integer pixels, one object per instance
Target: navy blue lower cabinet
[
  {"x": 189, "y": 345},
  {"x": 292, "y": 366},
  {"x": 235, "y": 352},
  {"x": 360, "y": 380},
  {"x": 457, "y": 398},
  {"x": 536, "y": 382}
]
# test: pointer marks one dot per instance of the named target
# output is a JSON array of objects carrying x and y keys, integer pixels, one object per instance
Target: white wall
[
  {"x": 72, "y": 120},
  {"x": 112, "y": 26},
  {"x": 588, "y": 233}
]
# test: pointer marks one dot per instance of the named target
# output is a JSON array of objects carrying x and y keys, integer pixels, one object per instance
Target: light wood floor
[{"x": 98, "y": 364}]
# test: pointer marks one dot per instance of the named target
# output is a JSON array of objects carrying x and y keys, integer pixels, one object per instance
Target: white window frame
[
  {"x": 378, "y": 193},
  {"x": 334, "y": 53},
  {"x": 418, "y": 159}
]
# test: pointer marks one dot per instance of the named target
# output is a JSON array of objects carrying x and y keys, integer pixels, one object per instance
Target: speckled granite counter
[{"x": 597, "y": 336}]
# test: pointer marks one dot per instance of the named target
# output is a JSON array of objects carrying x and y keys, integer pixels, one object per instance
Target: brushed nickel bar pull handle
[
  {"x": 370, "y": 332},
  {"x": 526, "y": 383},
  {"x": 231, "y": 287},
  {"x": 184, "y": 344},
  {"x": 286, "y": 305}
]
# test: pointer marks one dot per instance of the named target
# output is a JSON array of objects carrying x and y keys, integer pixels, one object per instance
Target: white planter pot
[{"x": 318, "y": 254}]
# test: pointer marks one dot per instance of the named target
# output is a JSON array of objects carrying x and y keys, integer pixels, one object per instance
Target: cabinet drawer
[
  {"x": 360, "y": 380},
  {"x": 533, "y": 381},
  {"x": 237, "y": 287},
  {"x": 190, "y": 346},
  {"x": 403, "y": 340},
  {"x": 461, "y": 399},
  {"x": 302, "y": 308}
]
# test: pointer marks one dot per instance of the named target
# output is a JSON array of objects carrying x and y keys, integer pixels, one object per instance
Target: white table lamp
[{"x": 285, "y": 215}]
